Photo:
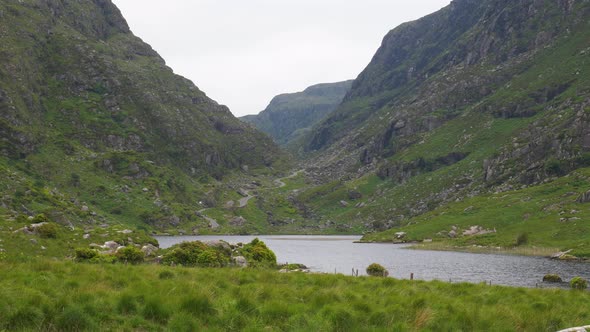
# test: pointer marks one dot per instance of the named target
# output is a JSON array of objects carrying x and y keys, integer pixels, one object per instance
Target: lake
[{"x": 339, "y": 254}]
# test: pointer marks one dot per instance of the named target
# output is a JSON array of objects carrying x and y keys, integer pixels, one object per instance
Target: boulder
[
  {"x": 238, "y": 221},
  {"x": 343, "y": 203},
  {"x": 243, "y": 192},
  {"x": 240, "y": 261},
  {"x": 110, "y": 247},
  {"x": 400, "y": 235},
  {"x": 86, "y": 236},
  {"x": 560, "y": 254},
  {"x": 31, "y": 229},
  {"x": 219, "y": 244},
  {"x": 149, "y": 250},
  {"x": 477, "y": 230},
  {"x": 584, "y": 198},
  {"x": 577, "y": 329}
]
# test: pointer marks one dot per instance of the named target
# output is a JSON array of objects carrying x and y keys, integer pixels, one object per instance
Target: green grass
[
  {"x": 548, "y": 214},
  {"x": 51, "y": 296}
]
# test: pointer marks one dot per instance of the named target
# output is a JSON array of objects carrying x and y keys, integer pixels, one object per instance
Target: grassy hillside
[
  {"x": 95, "y": 128},
  {"x": 62, "y": 296},
  {"x": 480, "y": 97},
  {"x": 549, "y": 215}
]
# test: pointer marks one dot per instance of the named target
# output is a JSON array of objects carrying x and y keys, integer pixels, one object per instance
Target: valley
[{"x": 468, "y": 131}]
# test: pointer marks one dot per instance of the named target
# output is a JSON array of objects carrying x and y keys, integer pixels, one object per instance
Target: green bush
[
  {"x": 578, "y": 283},
  {"x": 377, "y": 270},
  {"x": 104, "y": 259},
  {"x": 22, "y": 219},
  {"x": 130, "y": 254},
  {"x": 85, "y": 254},
  {"x": 47, "y": 230},
  {"x": 552, "y": 278},
  {"x": 258, "y": 254},
  {"x": 40, "y": 218},
  {"x": 521, "y": 239},
  {"x": 196, "y": 254},
  {"x": 211, "y": 258}
]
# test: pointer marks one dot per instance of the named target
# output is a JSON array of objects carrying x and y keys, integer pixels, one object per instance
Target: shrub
[
  {"x": 40, "y": 218},
  {"x": 22, "y": 219},
  {"x": 377, "y": 270},
  {"x": 47, "y": 230},
  {"x": 130, "y": 254},
  {"x": 521, "y": 239},
  {"x": 552, "y": 278},
  {"x": 258, "y": 254},
  {"x": 85, "y": 254},
  {"x": 196, "y": 254},
  {"x": 211, "y": 258},
  {"x": 578, "y": 283}
]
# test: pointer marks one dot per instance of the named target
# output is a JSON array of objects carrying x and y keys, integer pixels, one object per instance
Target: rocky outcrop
[
  {"x": 584, "y": 198},
  {"x": 463, "y": 102}
]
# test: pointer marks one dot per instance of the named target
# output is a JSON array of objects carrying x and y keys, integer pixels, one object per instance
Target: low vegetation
[
  {"x": 579, "y": 283},
  {"x": 550, "y": 215},
  {"x": 60, "y": 296},
  {"x": 377, "y": 270},
  {"x": 552, "y": 278}
]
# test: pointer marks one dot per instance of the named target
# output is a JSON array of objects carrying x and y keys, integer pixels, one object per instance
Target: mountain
[
  {"x": 289, "y": 116},
  {"x": 479, "y": 97},
  {"x": 96, "y": 128}
]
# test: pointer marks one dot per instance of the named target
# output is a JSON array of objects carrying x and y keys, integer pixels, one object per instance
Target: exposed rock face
[
  {"x": 466, "y": 92},
  {"x": 290, "y": 115}
]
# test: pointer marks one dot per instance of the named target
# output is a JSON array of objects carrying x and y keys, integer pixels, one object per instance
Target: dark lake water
[{"x": 340, "y": 254}]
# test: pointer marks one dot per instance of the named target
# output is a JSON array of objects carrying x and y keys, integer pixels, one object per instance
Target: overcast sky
[{"x": 243, "y": 53}]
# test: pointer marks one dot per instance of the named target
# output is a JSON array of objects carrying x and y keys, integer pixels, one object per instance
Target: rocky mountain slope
[
  {"x": 289, "y": 116},
  {"x": 96, "y": 128},
  {"x": 479, "y": 97}
]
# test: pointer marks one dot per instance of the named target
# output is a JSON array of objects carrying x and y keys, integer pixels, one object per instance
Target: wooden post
[{"x": 412, "y": 276}]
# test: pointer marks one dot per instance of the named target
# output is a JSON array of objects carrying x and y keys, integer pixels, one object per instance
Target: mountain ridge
[
  {"x": 93, "y": 112},
  {"x": 288, "y": 116}
]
